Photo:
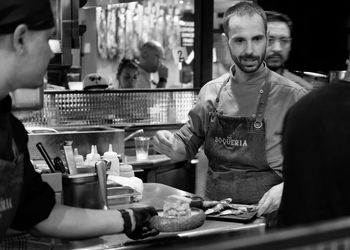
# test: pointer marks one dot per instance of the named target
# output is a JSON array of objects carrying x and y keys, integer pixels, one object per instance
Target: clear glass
[{"x": 141, "y": 147}]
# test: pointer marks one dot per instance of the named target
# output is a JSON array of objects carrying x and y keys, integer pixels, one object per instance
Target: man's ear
[
  {"x": 19, "y": 37},
  {"x": 223, "y": 35},
  {"x": 226, "y": 40}
]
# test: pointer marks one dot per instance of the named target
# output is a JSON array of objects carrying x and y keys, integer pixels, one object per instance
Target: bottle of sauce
[
  {"x": 112, "y": 156},
  {"x": 92, "y": 157},
  {"x": 79, "y": 159}
]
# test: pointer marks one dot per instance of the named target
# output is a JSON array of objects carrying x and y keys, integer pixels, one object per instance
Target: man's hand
[
  {"x": 271, "y": 200},
  {"x": 165, "y": 142},
  {"x": 163, "y": 76},
  {"x": 163, "y": 72}
]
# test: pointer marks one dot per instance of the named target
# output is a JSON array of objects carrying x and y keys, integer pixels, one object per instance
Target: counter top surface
[
  {"x": 152, "y": 159},
  {"x": 154, "y": 194}
]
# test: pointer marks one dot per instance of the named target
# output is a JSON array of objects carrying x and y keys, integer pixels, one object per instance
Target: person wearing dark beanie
[{"x": 26, "y": 202}]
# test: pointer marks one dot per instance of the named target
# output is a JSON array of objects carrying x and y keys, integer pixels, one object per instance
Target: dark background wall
[{"x": 321, "y": 33}]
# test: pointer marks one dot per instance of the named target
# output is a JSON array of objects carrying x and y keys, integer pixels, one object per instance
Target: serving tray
[{"x": 243, "y": 218}]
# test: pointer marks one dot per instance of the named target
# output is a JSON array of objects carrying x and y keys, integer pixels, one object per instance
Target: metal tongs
[{"x": 101, "y": 171}]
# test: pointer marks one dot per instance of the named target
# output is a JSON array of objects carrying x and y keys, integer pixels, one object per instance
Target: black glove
[{"x": 142, "y": 229}]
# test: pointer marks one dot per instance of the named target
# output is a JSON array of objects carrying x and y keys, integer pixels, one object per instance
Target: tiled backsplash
[{"x": 111, "y": 107}]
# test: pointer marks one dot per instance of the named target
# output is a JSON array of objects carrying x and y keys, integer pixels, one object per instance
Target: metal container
[
  {"x": 82, "y": 190},
  {"x": 82, "y": 137}
]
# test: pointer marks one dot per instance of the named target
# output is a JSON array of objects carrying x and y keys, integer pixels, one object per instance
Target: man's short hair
[
  {"x": 274, "y": 16},
  {"x": 241, "y": 9},
  {"x": 126, "y": 63}
]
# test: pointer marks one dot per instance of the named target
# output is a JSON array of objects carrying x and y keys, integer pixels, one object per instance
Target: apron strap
[
  {"x": 260, "y": 111},
  {"x": 217, "y": 97}
]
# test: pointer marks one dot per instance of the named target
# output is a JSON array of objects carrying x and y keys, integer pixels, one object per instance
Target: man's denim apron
[{"x": 235, "y": 147}]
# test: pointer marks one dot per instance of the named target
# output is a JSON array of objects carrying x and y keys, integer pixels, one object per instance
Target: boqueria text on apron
[{"x": 235, "y": 147}]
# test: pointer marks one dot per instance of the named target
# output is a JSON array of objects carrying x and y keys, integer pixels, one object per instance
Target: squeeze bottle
[
  {"x": 79, "y": 159},
  {"x": 92, "y": 157},
  {"x": 112, "y": 156}
]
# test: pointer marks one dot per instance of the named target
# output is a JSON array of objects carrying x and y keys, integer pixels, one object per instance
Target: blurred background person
[
  {"x": 279, "y": 27},
  {"x": 127, "y": 74},
  {"x": 151, "y": 61}
]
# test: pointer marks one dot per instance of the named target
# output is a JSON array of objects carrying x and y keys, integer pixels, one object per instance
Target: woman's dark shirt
[{"x": 37, "y": 197}]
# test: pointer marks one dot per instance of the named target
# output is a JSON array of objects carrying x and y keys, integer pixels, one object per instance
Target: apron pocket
[{"x": 245, "y": 187}]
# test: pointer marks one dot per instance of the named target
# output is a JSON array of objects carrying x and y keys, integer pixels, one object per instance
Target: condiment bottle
[
  {"x": 126, "y": 170},
  {"x": 96, "y": 155},
  {"x": 92, "y": 157},
  {"x": 89, "y": 155},
  {"x": 79, "y": 159},
  {"x": 112, "y": 156}
]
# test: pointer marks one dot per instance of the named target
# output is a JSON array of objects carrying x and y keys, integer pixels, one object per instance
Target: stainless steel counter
[{"x": 154, "y": 194}]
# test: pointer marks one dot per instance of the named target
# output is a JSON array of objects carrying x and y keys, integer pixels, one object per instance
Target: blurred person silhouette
[
  {"x": 316, "y": 170},
  {"x": 151, "y": 61},
  {"x": 127, "y": 74},
  {"x": 279, "y": 28},
  {"x": 27, "y": 202}
]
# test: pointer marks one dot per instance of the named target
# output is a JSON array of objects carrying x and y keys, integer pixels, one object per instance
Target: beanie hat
[{"x": 36, "y": 14}]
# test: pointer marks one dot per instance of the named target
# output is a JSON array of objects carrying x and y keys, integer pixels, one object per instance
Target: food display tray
[{"x": 242, "y": 218}]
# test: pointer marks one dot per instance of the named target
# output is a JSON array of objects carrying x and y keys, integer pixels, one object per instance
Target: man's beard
[
  {"x": 274, "y": 62},
  {"x": 237, "y": 61},
  {"x": 242, "y": 62}
]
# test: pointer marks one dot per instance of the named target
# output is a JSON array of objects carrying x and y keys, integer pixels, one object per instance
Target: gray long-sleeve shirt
[{"x": 241, "y": 100}]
